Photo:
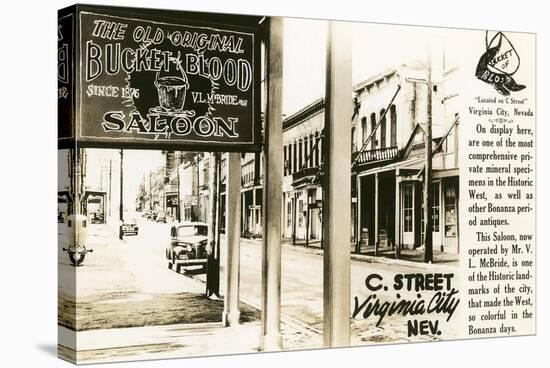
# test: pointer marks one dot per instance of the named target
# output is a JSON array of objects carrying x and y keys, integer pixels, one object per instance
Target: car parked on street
[
  {"x": 96, "y": 218},
  {"x": 130, "y": 227},
  {"x": 161, "y": 217},
  {"x": 187, "y": 245}
]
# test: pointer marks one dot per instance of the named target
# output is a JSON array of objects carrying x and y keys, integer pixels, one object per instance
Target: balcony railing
[{"x": 379, "y": 154}]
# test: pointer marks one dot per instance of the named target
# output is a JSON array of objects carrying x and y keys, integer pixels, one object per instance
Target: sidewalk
[
  {"x": 159, "y": 342},
  {"x": 386, "y": 255},
  {"x": 127, "y": 325}
]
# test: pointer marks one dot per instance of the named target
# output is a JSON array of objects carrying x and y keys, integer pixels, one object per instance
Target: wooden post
[
  {"x": 231, "y": 311},
  {"x": 428, "y": 241},
  {"x": 294, "y": 217},
  {"x": 121, "y": 204},
  {"x": 178, "y": 208},
  {"x": 376, "y": 214},
  {"x": 307, "y": 217},
  {"x": 213, "y": 262},
  {"x": 110, "y": 183},
  {"x": 253, "y": 211},
  {"x": 397, "y": 215},
  {"x": 358, "y": 216},
  {"x": 243, "y": 212},
  {"x": 337, "y": 187},
  {"x": 271, "y": 338}
]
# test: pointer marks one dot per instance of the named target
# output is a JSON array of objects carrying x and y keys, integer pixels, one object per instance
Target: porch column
[
  {"x": 359, "y": 210},
  {"x": 397, "y": 215},
  {"x": 271, "y": 338},
  {"x": 337, "y": 187},
  {"x": 441, "y": 214},
  {"x": 243, "y": 212},
  {"x": 231, "y": 311},
  {"x": 376, "y": 237},
  {"x": 307, "y": 217},
  {"x": 253, "y": 212}
]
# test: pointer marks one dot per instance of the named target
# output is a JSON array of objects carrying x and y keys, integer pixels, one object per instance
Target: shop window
[
  {"x": 451, "y": 224},
  {"x": 435, "y": 207},
  {"x": 300, "y": 213},
  {"x": 435, "y": 210},
  {"x": 289, "y": 214},
  {"x": 408, "y": 207}
]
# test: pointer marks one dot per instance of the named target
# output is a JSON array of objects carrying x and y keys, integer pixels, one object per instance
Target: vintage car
[
  {"x": 96, "y": 218},
  {"x": 187, "y": 245},
  {"x": 129, "y": 227},
  {"x": 161, "y": 217}
]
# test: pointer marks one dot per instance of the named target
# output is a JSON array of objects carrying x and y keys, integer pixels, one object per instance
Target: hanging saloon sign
[{"x": 186, "y": 81}]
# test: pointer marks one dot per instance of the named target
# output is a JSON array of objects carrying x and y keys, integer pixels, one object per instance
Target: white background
[{"x": 28, "y": 308}]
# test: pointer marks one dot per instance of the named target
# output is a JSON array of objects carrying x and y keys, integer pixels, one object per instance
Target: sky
[
  {"x": 137, "y": 164},
  {"x": 375, "y": 47}
]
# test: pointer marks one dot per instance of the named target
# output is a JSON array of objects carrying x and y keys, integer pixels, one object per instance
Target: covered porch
[{"x": 390, "y": 209}]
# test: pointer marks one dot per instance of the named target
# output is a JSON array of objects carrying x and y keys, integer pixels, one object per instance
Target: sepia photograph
[{"x": 234, "y": 184}]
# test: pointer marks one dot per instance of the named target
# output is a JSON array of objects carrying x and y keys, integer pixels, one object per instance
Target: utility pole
[
  {"x": 71, "y": 164},
  {"x": 110, "y": 179},
  {"x": 121, "y": 205},
  {"x": 428, "y": 241},
  {"x": 178, "y": 208},
  {"x": 198, "y": 186},
  {"x": 213, "y": 262},
  {"x": 150, "y": 191}
]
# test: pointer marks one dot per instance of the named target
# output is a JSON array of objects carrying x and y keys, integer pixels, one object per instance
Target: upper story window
[
  {"x": 372, "y": 127},
  {"x": 311, "y": 147},
  {"x": 285, "y": 160},
  {"x": 294, "y": 150},
  {"x": 393, "y": 126},
  {"x": 300, "y": 155},
  {"x": 363, "y": 130},
  {"x": 383, "y": 129}
]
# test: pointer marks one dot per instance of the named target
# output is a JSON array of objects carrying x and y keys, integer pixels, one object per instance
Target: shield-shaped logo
[{"x": 499, "y": 63}]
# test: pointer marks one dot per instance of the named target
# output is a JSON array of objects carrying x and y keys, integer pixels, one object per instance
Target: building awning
[
  {"x": 414, "y": 165},
  {"x": 410, "y": 164}
]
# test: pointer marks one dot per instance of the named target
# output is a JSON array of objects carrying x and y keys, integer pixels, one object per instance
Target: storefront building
[
  {"x": 302, "y": 195},
  {"x": 388, "y": 182},
  {"x": 251, "y": 195}
]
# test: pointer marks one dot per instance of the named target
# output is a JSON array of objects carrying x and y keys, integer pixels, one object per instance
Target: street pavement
[
  {"x": 302, "y": 293},
  {"x": 127, "y": 284}
]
